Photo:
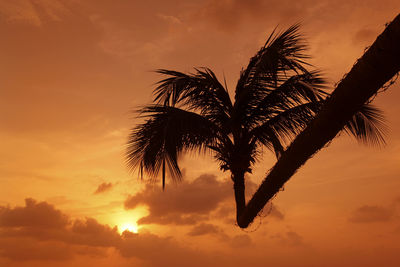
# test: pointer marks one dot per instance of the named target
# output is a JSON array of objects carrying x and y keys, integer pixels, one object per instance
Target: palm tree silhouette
[
  {"x": 276, "y": 97},
  {"x": 379, "y": 64}
]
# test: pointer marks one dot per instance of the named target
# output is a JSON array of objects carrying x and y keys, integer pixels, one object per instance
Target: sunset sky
[{"x": 71, "y": 72}]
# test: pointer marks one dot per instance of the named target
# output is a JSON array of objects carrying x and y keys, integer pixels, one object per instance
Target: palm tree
[
  {"x": 275, "y": 99},
  {"x": 379, "y": 64}
]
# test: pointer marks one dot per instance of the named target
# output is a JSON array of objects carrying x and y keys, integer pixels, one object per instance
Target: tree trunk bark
[
  {"x": 239, "y": 188},
  {"x": 377, "y": 66}
]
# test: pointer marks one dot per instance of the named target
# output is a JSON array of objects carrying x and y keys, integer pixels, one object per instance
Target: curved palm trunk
[{"x": 378, "y": 65}]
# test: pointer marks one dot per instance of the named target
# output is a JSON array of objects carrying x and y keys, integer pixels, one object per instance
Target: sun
[{"x": 131, "y": 227}]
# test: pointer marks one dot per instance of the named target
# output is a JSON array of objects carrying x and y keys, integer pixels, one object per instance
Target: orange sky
[{"x": 71, "y": 71}]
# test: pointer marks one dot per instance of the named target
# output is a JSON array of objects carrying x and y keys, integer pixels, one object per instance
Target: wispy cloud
[
  {"x": 103, "y": 187},
  {"x": 369, "y": 214},
  {"x": 34, "y": 12}
]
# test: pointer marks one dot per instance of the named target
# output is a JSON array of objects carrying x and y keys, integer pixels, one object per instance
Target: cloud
[
  {"x": 240, "y": 241},
  {"x": 90, "y": 232},
  {"x": 103, "y": 187},
  {"x": 227, "y": 212},
  {"x": 43, "y": 223},
  {"x": 369, "y": 214},
  {"x": 273, "y": 211},
  {"x": 187, "y": 203},
  {"x": 290, "y": 238},
  {"x": 34, "y": 214},
  {"x": 209, "y": 229},
  {"x": 39, "y": 231},
  {"x": 23, "y": 249},
  {"x": 160, "y": 251},
  {"x": 22, "y": 11},
  {"x": 204, "y": 229},
  {"x": 364, "y": 35},
  {"x": 33, "y": 12},
  {"x": 228, "y": 15}
]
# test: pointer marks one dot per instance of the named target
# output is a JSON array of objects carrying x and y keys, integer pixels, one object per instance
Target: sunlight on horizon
[
  {"x": 131, "y": 227},
  {"x": 125, "y": 219}
]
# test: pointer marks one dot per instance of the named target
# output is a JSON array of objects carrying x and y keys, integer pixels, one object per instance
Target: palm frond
[
  {"x": 278, "y": 70},
  {"x": 167, "y": 132},
  {"x": 296, "y": 90},
  {"x": 200, "y": 91},
  {"x": 368, "y": 126},
  {"x": 281, "y": 53},
  {"x": 285, "y": 125}
]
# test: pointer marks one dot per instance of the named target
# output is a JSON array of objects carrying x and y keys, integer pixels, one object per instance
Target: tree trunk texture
[
  {"x": 377, "y": 66},
  {"x": 239, "y": 188}
]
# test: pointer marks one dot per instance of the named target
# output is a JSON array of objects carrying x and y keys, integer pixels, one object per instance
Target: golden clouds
[
  {"x": 39, "y": 231},
  {"x": 187, "y": 203}
]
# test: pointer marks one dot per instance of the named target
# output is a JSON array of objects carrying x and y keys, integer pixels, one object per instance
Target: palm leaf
[
  {"x": 285, "y": 125},
  {"x": 200, "y": 91},
  {"x": 296, "y": 90},
  {"x": 279, "y": 64},
  {"x": 281, "y": 53},
  {"x": 166, "y": 133},
  {"x": 368, "y": 125}
]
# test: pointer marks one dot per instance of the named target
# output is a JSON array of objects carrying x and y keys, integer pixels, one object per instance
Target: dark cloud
[
  {"x": 204, "y": 229},
  {"x": 40, "y": 231},
  {"x": 187, "y": 203},
  {"x": 90, "y": 232},
  {"x": 103, "y": 187},
  {"x": 34, "y": 214},
  {"x": 173, "y": 218},
  {"x": 64, "y": 238},
  {"x": 22, "y": 249},
  {"x": 368, "y": 214},
  {"x": 209, "y": 229}
]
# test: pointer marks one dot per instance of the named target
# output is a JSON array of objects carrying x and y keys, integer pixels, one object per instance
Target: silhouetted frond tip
[{"x": 368, "y": 126}]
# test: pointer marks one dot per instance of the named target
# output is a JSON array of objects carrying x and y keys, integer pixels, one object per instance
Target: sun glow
[{"x": 131, "y": 227}]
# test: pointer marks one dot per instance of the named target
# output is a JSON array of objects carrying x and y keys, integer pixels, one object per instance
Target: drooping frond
[
  {"x": 367, "y": 125},
  {"x": 200, "y": 91},
  {"x": 167, "y": 131}
]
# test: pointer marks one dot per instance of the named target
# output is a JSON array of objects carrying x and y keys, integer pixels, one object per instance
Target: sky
[{"x": 72, "y": 71}]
